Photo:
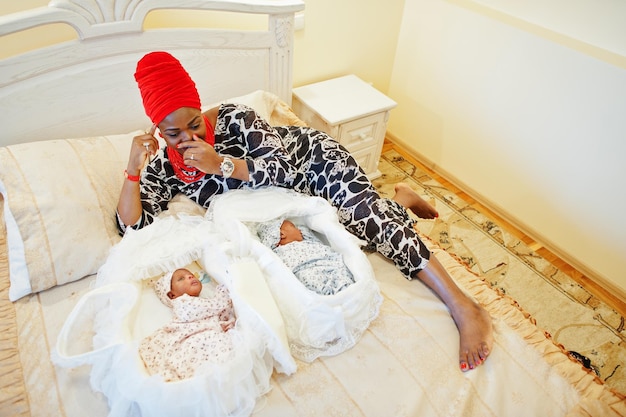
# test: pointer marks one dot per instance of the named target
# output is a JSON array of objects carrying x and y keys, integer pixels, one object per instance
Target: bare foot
[
  {"x": 411, "y": 200},
  {"x": 476, "y": 335},
  {"x": 471, "y": 319}
]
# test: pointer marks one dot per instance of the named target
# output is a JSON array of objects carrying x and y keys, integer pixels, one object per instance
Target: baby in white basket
[
  {"x": 315, "y": 264},
  {"x": 197, "y": 337}
]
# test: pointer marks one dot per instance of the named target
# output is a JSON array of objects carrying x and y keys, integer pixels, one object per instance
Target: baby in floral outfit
[
  {"x": 197, "y": 337},
  {"x": 315, "y": 264}
]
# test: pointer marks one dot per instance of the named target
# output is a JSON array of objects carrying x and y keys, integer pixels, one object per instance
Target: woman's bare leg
[
  {"x": 472, "y": 320},
  {"x": 412, "y": 201}
]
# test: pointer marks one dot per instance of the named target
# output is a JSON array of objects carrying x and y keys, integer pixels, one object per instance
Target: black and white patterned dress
[{"x": 303, "y": 159}]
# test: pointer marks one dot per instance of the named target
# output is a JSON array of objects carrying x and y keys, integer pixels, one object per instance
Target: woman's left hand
[{"x": 201, "y": 155}]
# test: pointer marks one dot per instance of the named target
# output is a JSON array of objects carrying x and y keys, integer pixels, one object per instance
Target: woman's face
[
  {"x": 184, "y": 282},
  {"x": 180, "y": 126}
]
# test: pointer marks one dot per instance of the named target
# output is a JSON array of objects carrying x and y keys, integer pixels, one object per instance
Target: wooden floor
[{"x": 590, "y": 285}]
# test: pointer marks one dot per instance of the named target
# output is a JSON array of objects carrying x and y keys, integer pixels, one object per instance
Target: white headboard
[{"x": 85, "y": 87}]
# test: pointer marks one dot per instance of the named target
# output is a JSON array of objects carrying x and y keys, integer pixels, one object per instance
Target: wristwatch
[{"x": 227, "y": 167}]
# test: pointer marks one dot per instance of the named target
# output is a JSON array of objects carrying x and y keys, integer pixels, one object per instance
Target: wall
[
  {"x": 515, "y": 106},
  {"x": 339, "y": 37},
  {"x": 348, "y": 36}
]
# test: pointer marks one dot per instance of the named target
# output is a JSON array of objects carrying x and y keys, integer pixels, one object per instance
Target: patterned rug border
[
  {"x": 495, "y": 226},
  {"x": 529, "y": 317},
  {"x": 603, "y": 314}
]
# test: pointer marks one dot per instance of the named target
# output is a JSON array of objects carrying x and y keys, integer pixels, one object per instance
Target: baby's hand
[{"x": 228, "y": 324}]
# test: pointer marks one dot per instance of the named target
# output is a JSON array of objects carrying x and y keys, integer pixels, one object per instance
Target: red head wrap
[{"x": 165, "y": 86}]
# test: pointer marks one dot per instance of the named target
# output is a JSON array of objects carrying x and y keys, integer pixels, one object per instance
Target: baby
[
  {"x": 198, "y": 334},
  {"x": 316, "y": 265}
]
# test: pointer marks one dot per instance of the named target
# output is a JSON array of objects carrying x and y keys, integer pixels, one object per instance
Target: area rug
[{"x": 572, "y": 316}]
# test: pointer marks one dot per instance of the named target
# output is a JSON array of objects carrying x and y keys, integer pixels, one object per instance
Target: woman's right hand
[
  {"x": 129, "y": 206},
  {"x": 142, "y": 148}
]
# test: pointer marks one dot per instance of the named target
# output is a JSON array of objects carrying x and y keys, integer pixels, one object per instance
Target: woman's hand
[
  {"x": 129, "y": 206},
  {"x": 199, "y": 154},
  {"x": 142, "y": 147}
]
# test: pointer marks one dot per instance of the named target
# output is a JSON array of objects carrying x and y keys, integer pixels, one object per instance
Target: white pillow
[
  {"x": 262, "y": 102},
  {"x": 60, "y": 198}
]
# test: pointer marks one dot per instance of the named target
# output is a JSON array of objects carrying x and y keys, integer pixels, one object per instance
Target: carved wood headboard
[{"x": 85, "y": 87}]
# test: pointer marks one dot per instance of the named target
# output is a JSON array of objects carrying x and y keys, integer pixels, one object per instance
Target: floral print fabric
[{"x": 195, "y": 339}]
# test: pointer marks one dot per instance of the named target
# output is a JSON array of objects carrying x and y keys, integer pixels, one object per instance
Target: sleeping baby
[
  {"x": 315, "y": 264},
  {"x": 197, "y": 336}
]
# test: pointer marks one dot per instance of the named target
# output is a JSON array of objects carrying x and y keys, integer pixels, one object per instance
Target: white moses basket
[
  {"x": 316, "y": 325},
  {"x": 107, "y": 324}
]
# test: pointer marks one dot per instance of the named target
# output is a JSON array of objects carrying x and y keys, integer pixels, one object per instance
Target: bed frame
[
  {"x": 406, "y": 362},
  {"x": 224, "y": 63}
]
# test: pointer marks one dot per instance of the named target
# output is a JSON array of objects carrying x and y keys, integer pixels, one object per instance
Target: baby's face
[
  {"x": 184, "y": 282},
  {"x": 289, "y": 233}
]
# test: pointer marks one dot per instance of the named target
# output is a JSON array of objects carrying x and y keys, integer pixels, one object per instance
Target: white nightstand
[{"x": 351, "y": 111}]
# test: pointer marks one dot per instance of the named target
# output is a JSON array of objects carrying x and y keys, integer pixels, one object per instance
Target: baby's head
[
  {"x": 174, "y": 284},
  {"x": 279, "y": 232},
  {"x": 289, "y": 232}
]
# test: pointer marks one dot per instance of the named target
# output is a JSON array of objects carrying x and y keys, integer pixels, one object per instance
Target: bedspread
[{"x": 404, "y": 365}]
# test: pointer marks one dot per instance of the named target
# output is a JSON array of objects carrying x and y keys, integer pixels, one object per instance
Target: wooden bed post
[{"x": 281, "y": 60}]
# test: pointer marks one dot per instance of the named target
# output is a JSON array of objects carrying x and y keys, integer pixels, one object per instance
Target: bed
[{"x": 68, "y": 114}]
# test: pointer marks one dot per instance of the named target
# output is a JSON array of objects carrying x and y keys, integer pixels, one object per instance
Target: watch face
[{"x": 227, "y": 167}]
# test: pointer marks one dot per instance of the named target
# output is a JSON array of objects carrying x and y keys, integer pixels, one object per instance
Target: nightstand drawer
[
  {"x": 367, "y": 160},
  {"x": 361, "y": 133}
]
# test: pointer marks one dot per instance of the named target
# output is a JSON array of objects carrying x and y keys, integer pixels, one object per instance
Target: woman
[{"x": 231, "y": 147}]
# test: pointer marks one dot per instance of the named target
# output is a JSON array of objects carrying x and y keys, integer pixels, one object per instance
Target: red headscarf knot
[{"x": 165, "y": 86}]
